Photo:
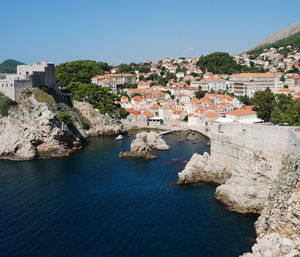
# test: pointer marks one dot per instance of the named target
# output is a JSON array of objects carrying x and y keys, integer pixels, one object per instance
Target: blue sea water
[{"x": 95, "y": 204}]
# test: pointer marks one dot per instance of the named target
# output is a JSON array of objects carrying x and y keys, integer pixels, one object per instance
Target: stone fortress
[{"x": 28, "y": 76}]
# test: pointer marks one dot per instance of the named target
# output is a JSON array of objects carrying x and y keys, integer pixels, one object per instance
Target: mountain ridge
[{"x": 277, "y": 36}]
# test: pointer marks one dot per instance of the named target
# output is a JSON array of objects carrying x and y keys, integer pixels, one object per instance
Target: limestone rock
[
  {"x": 142, "y": 145},
  {"x": 156, "y": 142},
  {"x": 100, "y": 124},
  {"x": 32, "y": 130},
  {"x": 201, "y": 168},
  {"x": 243, "y": 188},
  {"x": 278, "y": 227},
  {"x": 139, "y": 148}
]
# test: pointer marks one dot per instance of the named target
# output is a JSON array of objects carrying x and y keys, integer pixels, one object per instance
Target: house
[
  {"x": 246, "y": 115},
  {"x": 155, "y": 121}
]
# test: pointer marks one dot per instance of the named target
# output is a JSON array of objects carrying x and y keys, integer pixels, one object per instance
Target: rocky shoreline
[
  {"x": 33, "y": 130},
  {"x": 256, "y": 189}
]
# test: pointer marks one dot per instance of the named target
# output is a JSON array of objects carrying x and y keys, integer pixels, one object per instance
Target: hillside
[
  {"x": 285, "y": 33},
  {"x": 9, "y": 66},
  {"x": 293, "y": 40}
]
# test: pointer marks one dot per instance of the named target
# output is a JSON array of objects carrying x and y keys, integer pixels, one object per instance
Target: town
[
  {"x": 190, "y": 96},
  {"x": 176, "y": 92}
]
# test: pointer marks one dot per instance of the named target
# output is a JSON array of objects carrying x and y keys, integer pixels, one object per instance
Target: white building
[
  {"x": 28, "y": 76},
  {"x": 248, "y": 83}
]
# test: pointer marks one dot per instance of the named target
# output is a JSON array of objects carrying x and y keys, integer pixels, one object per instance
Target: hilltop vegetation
[
  {"x": 293, "y": 41},
  {"x": 9, "y": 66},
  {"x": 79, "y": 71},
  {"x": 223, "y": 63},
  {"x": 75, "y": 77}
]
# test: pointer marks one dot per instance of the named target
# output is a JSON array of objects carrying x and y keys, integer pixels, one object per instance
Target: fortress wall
[
  {"x": 237, "y": 144},
  {"x": 20, "y": 85},
  {"x": 7, "y": 88},
  {"x": 294, "y": 141}
]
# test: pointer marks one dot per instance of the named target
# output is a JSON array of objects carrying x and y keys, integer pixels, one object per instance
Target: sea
[{"x": 93, "y": 203}]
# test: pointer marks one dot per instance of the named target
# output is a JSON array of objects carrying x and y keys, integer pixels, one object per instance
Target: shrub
[
  {"x": 64, "y": 117},
  {"x": 86, "y": 126}
]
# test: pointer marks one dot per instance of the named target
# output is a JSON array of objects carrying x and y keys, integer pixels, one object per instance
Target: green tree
[
  {"x": 286, "y": 111},
  {"x": 223, "y": 63},
  {"x": 78, "y": 71},
  {"x": 245, "y": 100},
  {"x": 264, "y": 103},
  {"x": 200, "y": 93},
  {"x": 100, "y": 97},
  {"x": 64, "y": 117}
]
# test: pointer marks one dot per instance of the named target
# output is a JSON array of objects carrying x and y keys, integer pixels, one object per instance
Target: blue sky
[{"x": 136, "y": 30}]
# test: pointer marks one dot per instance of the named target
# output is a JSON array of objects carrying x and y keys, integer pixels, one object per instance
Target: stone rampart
[{"x": 237, "y": 144}]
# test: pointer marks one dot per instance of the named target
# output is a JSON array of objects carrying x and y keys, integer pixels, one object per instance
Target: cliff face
[
  {"x": 100, "y": 124},
  {"x": 32, "y": 129},
  {"x": 278, "y": 227}
]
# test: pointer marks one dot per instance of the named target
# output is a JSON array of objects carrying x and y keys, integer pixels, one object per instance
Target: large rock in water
[
  {"x": 142, "y": 146},
  {"x": 154, "y": 140},
  {"x": 243, "y": 188}
]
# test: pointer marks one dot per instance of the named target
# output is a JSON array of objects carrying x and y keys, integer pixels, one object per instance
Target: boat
[{"x": 119, "y": 137}]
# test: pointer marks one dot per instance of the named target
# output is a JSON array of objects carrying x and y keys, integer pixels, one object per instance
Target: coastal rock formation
[
  {"x": 139, "y": 148},
  {"x": 247, "y": 189},
  {"x": 154, "y": 140},
  {"x": 244, "y": 188},
  {"x": 201, "y": 168},
  {"x": 142, "y": 146},
  {"x": 100, "y": 124},
  {"x": 32, "y": 128},
  {"x": 278, "y": 227}
]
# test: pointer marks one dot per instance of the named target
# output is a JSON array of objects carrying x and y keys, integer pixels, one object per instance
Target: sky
[{"x": 124, "y": 31}]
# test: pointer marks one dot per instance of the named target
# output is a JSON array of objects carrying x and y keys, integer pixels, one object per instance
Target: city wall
[{"x": 238, "y": 144}]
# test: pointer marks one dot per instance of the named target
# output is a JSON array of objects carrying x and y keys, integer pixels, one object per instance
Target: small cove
[{"x": 95, "y": 204}]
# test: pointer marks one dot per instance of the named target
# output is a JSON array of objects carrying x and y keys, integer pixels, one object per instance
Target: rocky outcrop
[
  {"x": 142, "y": 145},
  {"x": 247, "y": 189},
  {"x": 154, "y": 141},
  {"x": 278, "y": 227},
  {"x": 32, "y": 128},
  {"x": 139, "y": 148},
  {"x": 100, "y": 124},
  {"x": 201, "y": 168},
  {"x": 243, "y": 188}
]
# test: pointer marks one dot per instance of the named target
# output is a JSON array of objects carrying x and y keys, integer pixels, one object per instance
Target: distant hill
[
  {"x": 9, "y": 66},
  {"x": 284, "y": 37}
]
